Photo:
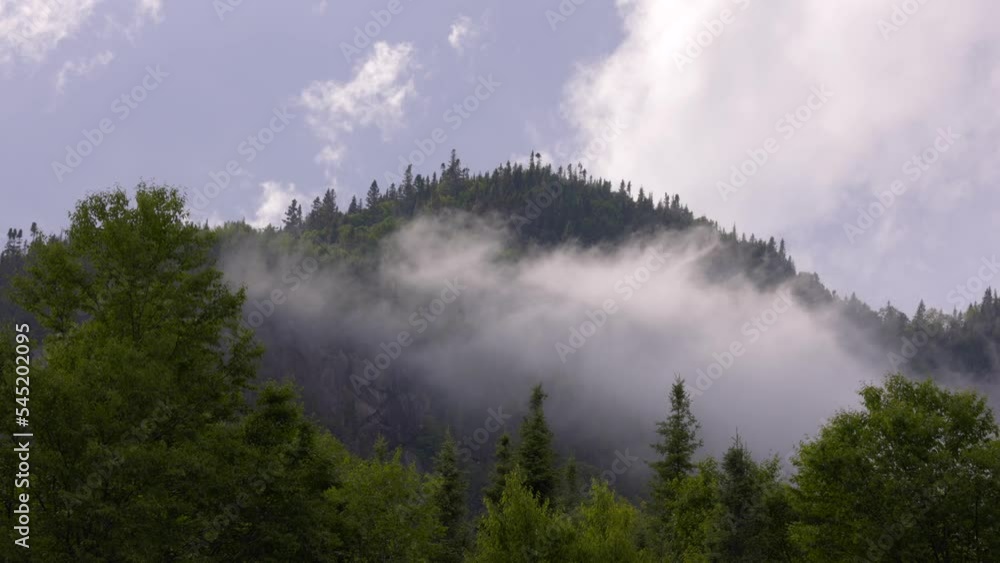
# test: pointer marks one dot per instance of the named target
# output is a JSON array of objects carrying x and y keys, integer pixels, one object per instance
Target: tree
[
  {"x": 149, "y": 448},
  {"x": 448, "y": 498},
  {"x": 293, "y": 217},
  {"x": 373, "y": 196},
  {"x": 736, "y": 524},
  {"x": 912, "y": 476},
  {"x": 522, "y": 529},
  {"x": 385, "y": 509},
  {"x": 535, "y": 455},
  {"x": 607, "y": 528},
  {"x": 504, "y": 462},
  {"x": 677, "y": 445}
]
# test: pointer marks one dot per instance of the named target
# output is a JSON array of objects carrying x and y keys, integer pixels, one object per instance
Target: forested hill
[
  {"x": 550, "y": 206},
  {"x": 157, "y": 439},
  {"x": 547, "y": 206}
]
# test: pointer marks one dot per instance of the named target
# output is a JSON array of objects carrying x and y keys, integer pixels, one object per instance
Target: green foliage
[
  {"x": 522, "y": 528},
  {"x": 504, "y": 462},
  {"x": 607, "y": 528},
  {"x": 535, "y": 455},
  {"x": 386, "y": 512},
  {"x": 912, "y": 476},
  {"x": 751, "y": 517},
  {"x": 153, "y": 444},
  {"x": 678, "y": 443},
  {"x": 448, "y": 497}
]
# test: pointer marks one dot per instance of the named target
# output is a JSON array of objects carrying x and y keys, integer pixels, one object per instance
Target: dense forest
[{"x": 168, "y": 427}]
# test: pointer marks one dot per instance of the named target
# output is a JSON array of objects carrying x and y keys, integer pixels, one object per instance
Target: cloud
[
  {"x": 81, "y": 67},
  {"x": 463, "y": 33},
  {"x": 605, "y": 330},
  {"x": 708, "y": 83},
  {"x": 30, "y": 29},
  {"x": 375, "y": 96},
  {"x": 274, "y": 201}
]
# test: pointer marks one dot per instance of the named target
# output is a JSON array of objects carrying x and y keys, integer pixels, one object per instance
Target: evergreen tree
[
  {"x": 449, "y": 499},
  {"x": 374, "y": 196},
  {"x": 293, "y": 217},
  {"x": 535, "y": 455},
  {"x": 739, "y": 502},
  {"x": 504, "y": 462},
  {"x": 678, "y": 443}
]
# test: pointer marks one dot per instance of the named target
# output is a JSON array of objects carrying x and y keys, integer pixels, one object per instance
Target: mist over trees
[{"x": 158, "y": 438}]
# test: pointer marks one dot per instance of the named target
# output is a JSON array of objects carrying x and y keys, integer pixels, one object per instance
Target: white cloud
[
  {"x": 374, "y": 96},
  {"x": 697, "y": 85},
  {"x": 273, "y": 202},
  {"x": 81, "y": 67},
  {"x": 463, "y": 33},
  {"x": 30, "y": 29}
]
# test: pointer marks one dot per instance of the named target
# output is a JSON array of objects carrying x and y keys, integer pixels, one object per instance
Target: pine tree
[
  {"x": 353, "y": 207},
  {"x": 678, "y": 441},
  {"x": 535, "y": 455},
  {"x": 504, "y": 463},
  {"x": 736, "y": 525},
  {"x": 572, "y": 483},
  {"x": 448, "y": 497},
  {"x": 373, "y": 196},
  {"x": 293, "y": 217}
]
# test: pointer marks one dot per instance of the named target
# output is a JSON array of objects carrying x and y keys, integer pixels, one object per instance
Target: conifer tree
[
  {"x": 678, "y": 443},
  {"x": 374, "y": 195},
  {"x": 501, "y": 467},
  {"x": 448, "y": 498},
  {"x": 535, "y": 454}
]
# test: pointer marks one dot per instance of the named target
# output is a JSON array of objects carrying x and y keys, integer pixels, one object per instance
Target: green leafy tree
[
  {"x": 607, "y": 528},
  {"x": 386, "y": 512},
  {"x": 912, "y": 476},
  {"x": 148, "y": 449},
  {"x": 521, "y": 528}
]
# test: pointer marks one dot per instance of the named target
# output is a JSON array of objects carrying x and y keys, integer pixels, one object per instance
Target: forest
[{"x": 169, "y": 425}]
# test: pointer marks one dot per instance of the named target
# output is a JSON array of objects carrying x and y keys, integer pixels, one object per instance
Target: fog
[{"x": 456, "y": 311}]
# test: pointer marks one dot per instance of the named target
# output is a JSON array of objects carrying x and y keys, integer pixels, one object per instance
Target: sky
[{"x": 863, "y": 132}]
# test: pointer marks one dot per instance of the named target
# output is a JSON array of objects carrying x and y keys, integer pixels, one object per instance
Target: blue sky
[{"x": 823, "y": 106}]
